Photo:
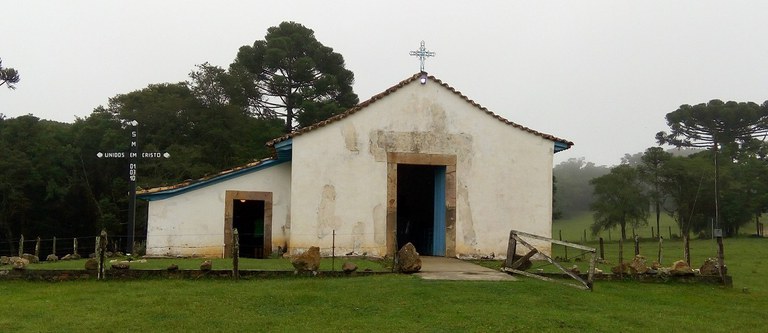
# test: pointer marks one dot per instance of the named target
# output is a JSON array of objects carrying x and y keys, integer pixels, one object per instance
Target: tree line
[
  {"x": 53, "y": 184},
  {"x": 723, "y": 186}
]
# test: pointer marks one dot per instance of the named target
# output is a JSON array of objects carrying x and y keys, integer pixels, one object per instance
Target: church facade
[{"x": 419, "y": 163}]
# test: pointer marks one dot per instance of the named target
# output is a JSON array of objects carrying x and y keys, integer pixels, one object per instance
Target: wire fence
[{"x": 60, "y": 246}]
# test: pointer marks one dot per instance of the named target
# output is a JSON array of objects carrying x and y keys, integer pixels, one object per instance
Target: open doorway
[
  {"x": 248, "y": 219},
  {"x": 421, "y": 207},
  {"x": 249, "y": 212}
]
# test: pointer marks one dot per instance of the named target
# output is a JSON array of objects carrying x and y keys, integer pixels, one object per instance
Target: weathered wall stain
[
  {"x": 379, "y": 224},
  {"x": 465, "y": 216},
  {"x": 326, "y": 212},
  {"x": 357, "y": 237},
  {"x": 350, "y": 137}
]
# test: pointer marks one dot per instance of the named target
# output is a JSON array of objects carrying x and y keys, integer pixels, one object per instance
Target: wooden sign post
[{"x": 132, "y": 155}]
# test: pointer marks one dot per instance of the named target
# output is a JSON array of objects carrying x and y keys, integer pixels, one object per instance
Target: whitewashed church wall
[
  {"x": 504, "y": 174},
  {"x": 192, "y": 223}
]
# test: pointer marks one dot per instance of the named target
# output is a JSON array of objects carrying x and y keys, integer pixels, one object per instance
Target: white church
[{"x": 419, "y": 162}]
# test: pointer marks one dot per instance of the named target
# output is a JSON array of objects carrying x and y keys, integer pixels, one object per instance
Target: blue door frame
[{"x": 438, "y": 235}]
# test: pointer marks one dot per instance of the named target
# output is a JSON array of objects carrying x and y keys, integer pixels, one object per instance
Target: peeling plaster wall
[
  {"x": 504, "y": 174},
  {"x": 192, "y": 223}
]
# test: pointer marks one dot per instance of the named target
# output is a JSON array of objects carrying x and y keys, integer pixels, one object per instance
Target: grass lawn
[
  {"x": 391, "y": 303},
  {"x": 396, "y": 303}
]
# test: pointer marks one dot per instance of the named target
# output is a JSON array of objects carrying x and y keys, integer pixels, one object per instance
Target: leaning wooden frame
[{"x": 511, "y": 265}]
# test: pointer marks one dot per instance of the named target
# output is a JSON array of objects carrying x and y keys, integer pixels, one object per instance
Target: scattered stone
[
  {"x": 367, "y": 270},
  {"x": 348, "y": 267},
  {"x": 19, "y": 264},
  {"x": 31, "y": 258},
  {"x": 119, "y": 254},
  {"x": 309, "y": 261},
  {"x": 680, "y": 267},
  {"x": 92, "y": 255},
  {"x": 121, "y": 265},
  {"x": 5, "y": 260},
  {"x": 109, "y": 254},
  {"x": 655, "y": 266},
  {"x": 637, "y": 266},
  {"x": 91, "y": 264},
  {"x": 206, "y": 266},
  {"x": 598, "y": 271},
  {"x": 52, "y": 258},
  {"x": 408, "y": 260},
  {"x": 711, "y": 267},
  {"x": 575, "y": 270},
  {"x": 173, "y": 267}
]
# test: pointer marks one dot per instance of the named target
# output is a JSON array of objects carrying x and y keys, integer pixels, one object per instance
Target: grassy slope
[{"x": 573, "y": 228}]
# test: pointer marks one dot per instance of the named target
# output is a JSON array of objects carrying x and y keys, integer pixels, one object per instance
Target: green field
[
  {"x": 573, "y": 229},
  {"x": 396, "y": 303}
]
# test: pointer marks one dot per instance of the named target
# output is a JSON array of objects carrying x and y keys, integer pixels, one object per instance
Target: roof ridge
[{"x": 396, "y": 87}]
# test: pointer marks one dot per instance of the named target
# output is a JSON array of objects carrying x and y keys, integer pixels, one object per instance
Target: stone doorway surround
[
  {"x": 230, "y": 197},
  {"x": 449, "y": 161}
]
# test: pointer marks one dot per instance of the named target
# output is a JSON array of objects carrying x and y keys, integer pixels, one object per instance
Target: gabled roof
[
  {"x": 282, "y": 146},
  {"x": 560, "y": 144}
]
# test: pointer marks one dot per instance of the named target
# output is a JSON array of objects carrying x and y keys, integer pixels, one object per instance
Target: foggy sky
[{"x": 600, "y": 73}]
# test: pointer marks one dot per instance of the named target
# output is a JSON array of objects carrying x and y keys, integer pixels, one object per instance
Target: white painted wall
[
  {"x": 192, "y": 223},
  {"x": 504, "y": 174}
]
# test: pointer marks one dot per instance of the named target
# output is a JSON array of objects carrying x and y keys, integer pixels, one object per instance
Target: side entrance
[{"x": 251, "y": 214}]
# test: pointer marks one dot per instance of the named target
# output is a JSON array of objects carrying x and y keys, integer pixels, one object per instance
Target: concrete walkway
[{"x": 441, "y": 268}]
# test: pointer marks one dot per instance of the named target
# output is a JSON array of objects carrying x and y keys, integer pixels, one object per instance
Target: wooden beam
[
  {"x": 525, "y": 258},
  {"x": 553, "y": 262},
  {"x": 554, "y": 241},
  {"x": 544, "y": 278}
]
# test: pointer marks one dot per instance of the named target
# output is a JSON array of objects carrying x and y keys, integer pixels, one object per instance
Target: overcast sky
[{"x": 602, "y": 74}]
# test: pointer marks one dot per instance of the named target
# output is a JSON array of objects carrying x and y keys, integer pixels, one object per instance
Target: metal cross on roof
[{"x": 422, "y": 54}]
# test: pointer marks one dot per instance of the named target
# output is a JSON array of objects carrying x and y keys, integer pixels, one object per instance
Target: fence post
[
  {"x": 54, "y": 245},
  {"x": 637, "y": 245},
  {"x": 720, "y": 257},
  {"x": 670, "y": 232},
  {"x": 602, "y": 249},
  {"x": 74, "y": 247},
  {"x": 101, "y": 250},
  {"x": 661, "y": 245},
  {"x": 585, "y": 236},
  {"x": 21, "y": 246},
  {"x": 511, "y": 249},
  {"x": 653, "y": 235},
  {"x": 621, "y": 257},
  {"x": 37, "y": 247},
  {"x": 333, "y": 252},
  {"x": 609, "y": 235},
  {"x": 235, "y": 254}
]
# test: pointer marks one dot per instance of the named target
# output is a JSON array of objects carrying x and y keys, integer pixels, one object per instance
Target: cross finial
[{"x": 422, "y": 54}]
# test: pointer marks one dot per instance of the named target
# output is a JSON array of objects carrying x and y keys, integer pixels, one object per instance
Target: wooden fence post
[
  {"x": 670, "y": 232},
  {"x": 661, "y": 246},
  {"x": 602, "y": 249},
  {"x": 235, "y": 254},
  {"x": 511, "y": 249},
  {"x": 101, "y": 252},
  {"x": 37, "y": 247},
  {"x": 621, "y": 257},
  {"x": 637, "y": 245},
  {"x": 21, "y": 246},
  {"x": 74, "y": 247},
  {"x": 653, "y": 235},
  {"x": 54, "y": 245},
  {"x": 720, "y": 257}
]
